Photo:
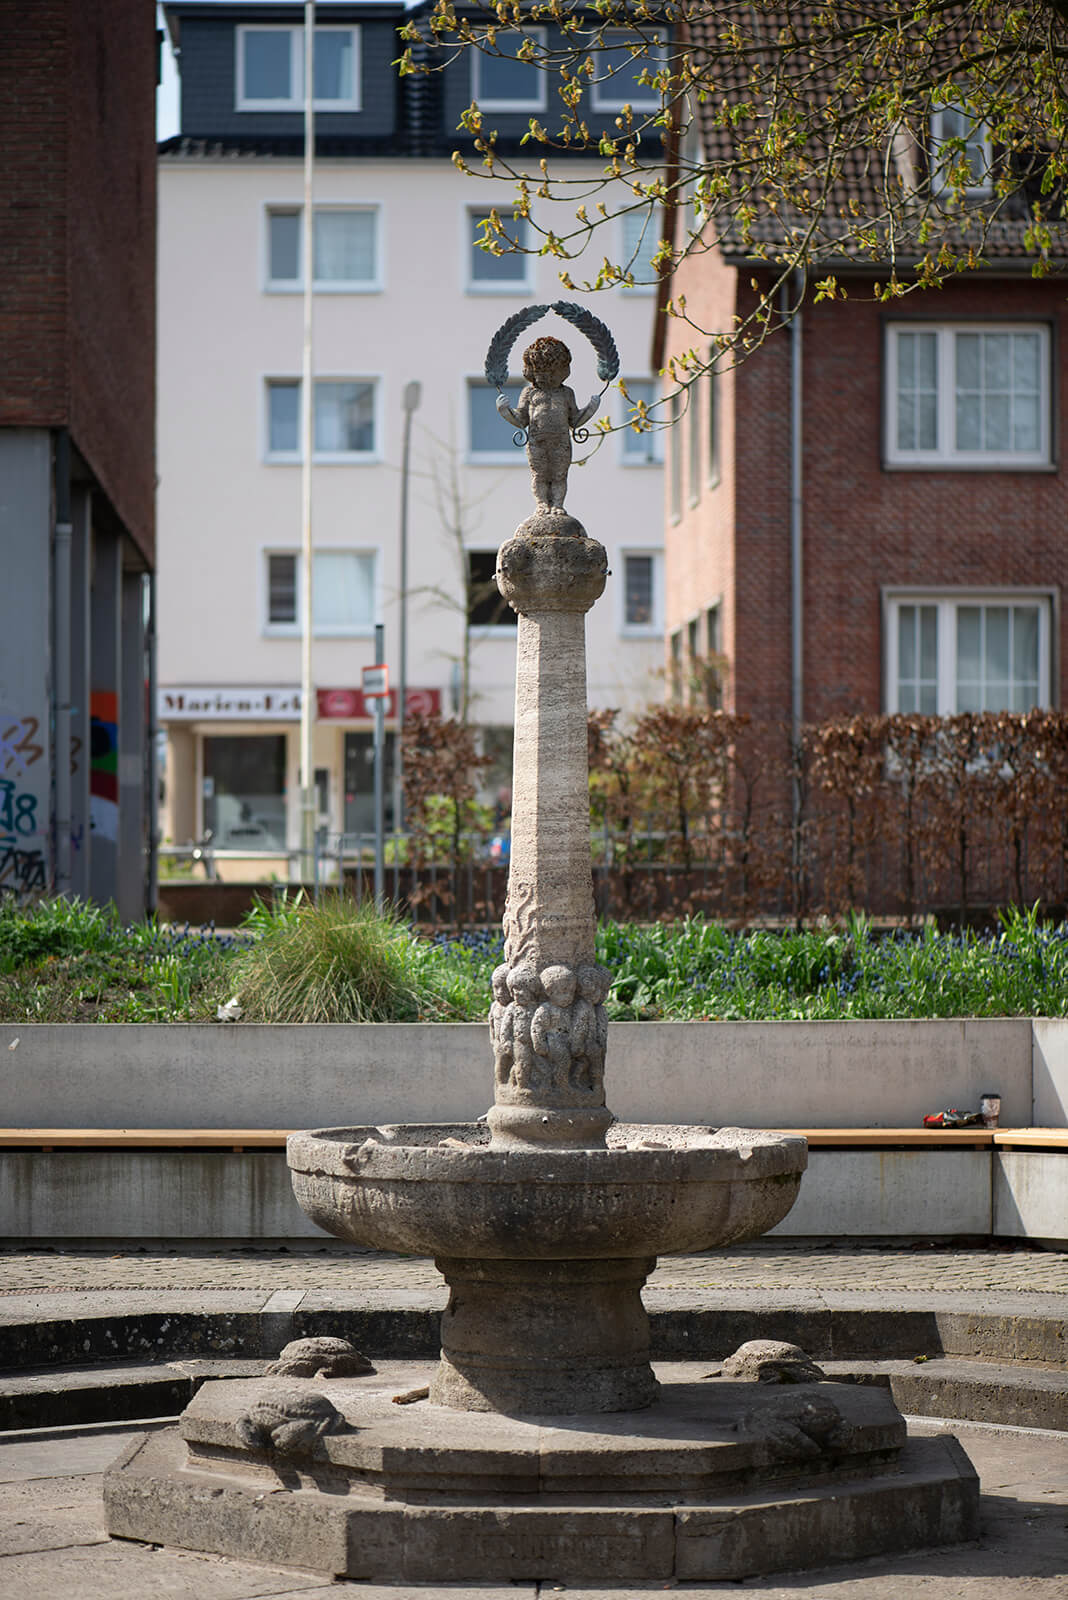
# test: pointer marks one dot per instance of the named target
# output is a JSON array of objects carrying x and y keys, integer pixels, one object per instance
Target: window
[
  {"x": 642, "y": 596},
  {"x": 505, "y": 83},
  {"x": 713, "y": 423},
  {"x": 488, "y": 433},
  {"x": 344, "y": 423},
  {"x": 283, "y": 418},
  {"x": 344, "y": 248},
  {"x": 245, "y": 790},
  {"x": 645, "y": 448},
  {"x": 955, "y": 137},
  {"x": 486, "y": 606},
  {"x": 270, "y": 69},
  {"x": 507, "y": 273},
  {"x": 968, "y": 395},
  {"x": 675, "y": 460},
  {"x": 281, "y": 589},
  {"x": 713, "y": 663},
  {"x": 695, "y": 439},
  {"x": 640, "y": 241},
  {"x": 675, "y": 665},
  {"x": 968, "y": 653},
  {"x": 618, "y": 70},
  {"x": 343, "y": 591}
]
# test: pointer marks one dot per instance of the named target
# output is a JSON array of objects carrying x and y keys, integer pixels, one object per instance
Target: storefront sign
[
  {"x": 229, "y": 705},
  {"x": 350, "y": 705},
  {"x": 283, "y": 705}
]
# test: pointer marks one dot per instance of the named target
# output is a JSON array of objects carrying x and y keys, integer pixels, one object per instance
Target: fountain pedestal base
[
  {"x": 544, "y": 1338},
  {"x": 714, "y": 1481}
]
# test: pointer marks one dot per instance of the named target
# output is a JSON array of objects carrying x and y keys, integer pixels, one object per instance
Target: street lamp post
[{"x": 413, "y": 393}]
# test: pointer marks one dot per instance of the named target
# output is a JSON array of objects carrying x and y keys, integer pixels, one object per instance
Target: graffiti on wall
[
  {"x": 23, "y": 810},
  {"x": 104, "y": 764}
]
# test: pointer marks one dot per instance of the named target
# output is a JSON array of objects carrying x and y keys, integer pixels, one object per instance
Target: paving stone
[{"x": 113, "y": 1571}]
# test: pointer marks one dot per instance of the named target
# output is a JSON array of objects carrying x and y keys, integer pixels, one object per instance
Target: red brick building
[
  {"x": 77, "y": 444},
  {"x": 868, "y": 513}
]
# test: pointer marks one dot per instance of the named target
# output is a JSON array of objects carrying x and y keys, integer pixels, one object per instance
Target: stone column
[{"x": 548, "y": 1020}]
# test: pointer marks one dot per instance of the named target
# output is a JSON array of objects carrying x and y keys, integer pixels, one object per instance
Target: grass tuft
[{"x": 336, "y": 961}]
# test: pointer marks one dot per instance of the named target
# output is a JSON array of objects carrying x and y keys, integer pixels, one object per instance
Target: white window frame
[
  {"x": 938, "y": 138},
  {"x": 714, "y": 422},
  {"x": 488, "y": 630},
  {"x": 655, "y": 627},
  {"x": 539, "y": 102},
  {"x": 651, "y": 226},
  {"x": 946, "y": 602},
  {"x": 695, "y": 441},
  {"x": 944, "y": 455},
  {"x": 603, "y": 97},
  {"x": 518, "y": 286},
  {"x": 653, "y": 437},
  {"x": 509, "y": 455},
  {"x": 676, "y": 481},
  {"x": 295, "y": 285},
  {"x": 295, "y": 102},
  {"x": 293, "y": 630},
  {"x": 341, "y": 458}
]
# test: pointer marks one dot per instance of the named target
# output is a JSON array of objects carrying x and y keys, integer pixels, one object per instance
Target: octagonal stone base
[{"x": 699, "y": 1486}]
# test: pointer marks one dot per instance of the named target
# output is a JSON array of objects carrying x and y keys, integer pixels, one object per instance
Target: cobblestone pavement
[
  {"x": 52, "y": 1541},
  {"x": 867, "y": 1269}
]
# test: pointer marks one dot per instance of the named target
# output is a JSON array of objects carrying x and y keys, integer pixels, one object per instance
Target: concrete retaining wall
[
  {"x": 217, "y": 1194},
  {"x": 790, "y": 1075},
  {"x": 777, "y": 1074}
]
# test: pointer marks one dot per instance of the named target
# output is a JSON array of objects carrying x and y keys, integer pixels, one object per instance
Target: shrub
[{"x": 340, "y": 960}]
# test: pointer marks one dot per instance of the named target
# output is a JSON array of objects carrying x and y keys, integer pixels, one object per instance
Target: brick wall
[
  {"x": 77, "y": 237},
  {"x": 33, "y": 234},
  {"x": 865, "y": 527}
]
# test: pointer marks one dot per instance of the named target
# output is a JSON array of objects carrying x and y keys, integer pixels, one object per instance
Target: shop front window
[
  {"x": 360, "y": 782},
  {"x": 245, "y": 790}
]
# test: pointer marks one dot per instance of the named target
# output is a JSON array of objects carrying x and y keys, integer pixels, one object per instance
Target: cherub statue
[
  {"x": 589, "y": 1027},
  {"x": 550, "y": 1028},
  {"x": 548, "y": 411},
  {"x": 526, "y": 991},
  {"x": 501, "y": 1024}
]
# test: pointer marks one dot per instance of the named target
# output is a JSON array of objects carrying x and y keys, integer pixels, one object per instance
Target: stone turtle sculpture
[{"x": 319, "y": 1358}]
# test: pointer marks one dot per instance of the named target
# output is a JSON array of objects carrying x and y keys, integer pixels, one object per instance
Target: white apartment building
[{"x": 402, "y": 294}]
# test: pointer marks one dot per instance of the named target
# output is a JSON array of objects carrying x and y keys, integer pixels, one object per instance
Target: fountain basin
[
  {"x": 545, "y": 1250},
  {"x": 444, "y": 1190}
]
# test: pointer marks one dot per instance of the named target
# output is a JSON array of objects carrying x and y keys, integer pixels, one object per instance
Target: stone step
[
  {"x": 405, "y": 1325},
  {"x": 1017, "y": 1394}
]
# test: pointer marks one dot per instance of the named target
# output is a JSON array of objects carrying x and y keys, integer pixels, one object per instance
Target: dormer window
[
  {"x": 502, "y": 81},
  {"x": 957, "y": 137},
  {"x": 270, "y": 69},
  {"x": 619, "y": 66}
]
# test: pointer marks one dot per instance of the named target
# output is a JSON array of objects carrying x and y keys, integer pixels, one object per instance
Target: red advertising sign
[{"x": 351, "y": 705}]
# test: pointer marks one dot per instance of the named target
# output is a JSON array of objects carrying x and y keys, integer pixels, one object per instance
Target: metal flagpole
[{"x": 307, "y": 414}]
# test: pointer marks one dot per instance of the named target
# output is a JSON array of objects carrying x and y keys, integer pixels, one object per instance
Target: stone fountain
[{"x": 542, "y": 1444}]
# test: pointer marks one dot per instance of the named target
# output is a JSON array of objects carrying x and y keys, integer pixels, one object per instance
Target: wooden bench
[{"x": 240, "y": 1139}]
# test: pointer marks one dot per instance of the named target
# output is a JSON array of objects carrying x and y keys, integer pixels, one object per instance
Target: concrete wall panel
[
  {"x": 854, "y": 1193},
  {"x": 1031, "y": 1194},
  {"x": 1049, "y": 1071},
  {"x": 789, "y": 1075}
]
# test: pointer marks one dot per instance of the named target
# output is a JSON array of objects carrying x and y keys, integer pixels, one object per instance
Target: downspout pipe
[
  {"x": 61, "y": 661},
  {"x": 152, "y": 754},
  {"x": 795, "y": 291}
]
